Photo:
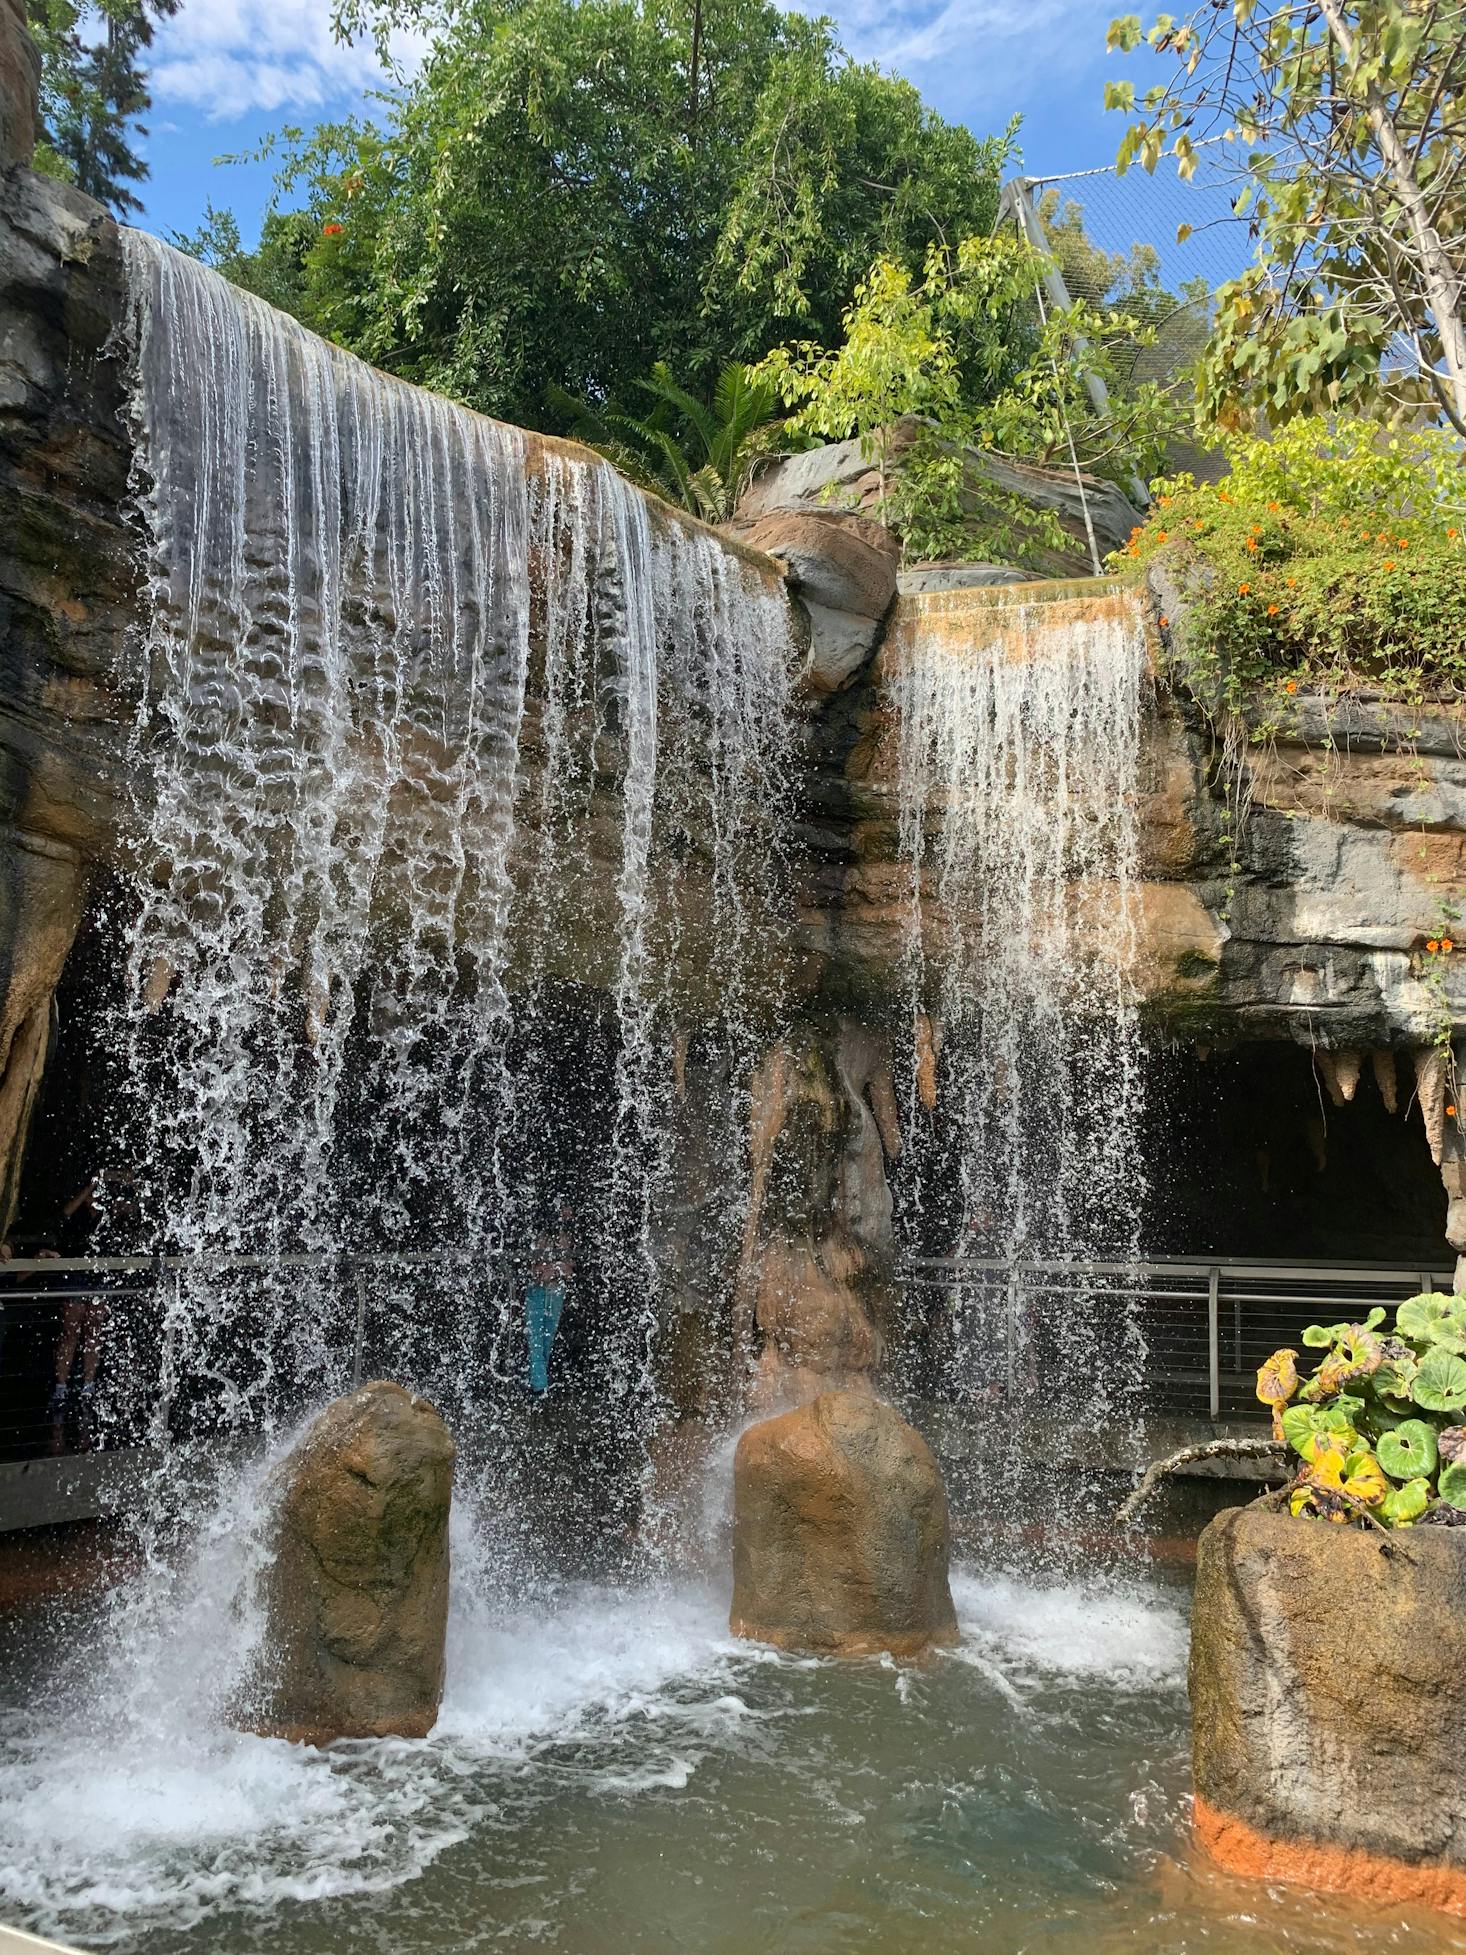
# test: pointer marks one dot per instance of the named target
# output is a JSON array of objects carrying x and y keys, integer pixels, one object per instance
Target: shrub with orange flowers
[{"x": 1333, "y": 557}]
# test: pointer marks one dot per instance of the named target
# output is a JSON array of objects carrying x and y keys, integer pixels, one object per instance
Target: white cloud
[
  {"x": 984, "y": 52},
  {"x": 228, "y": 57}
]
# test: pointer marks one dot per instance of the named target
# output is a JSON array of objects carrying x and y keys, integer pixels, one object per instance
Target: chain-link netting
[{"x": 1155, "y": 246}]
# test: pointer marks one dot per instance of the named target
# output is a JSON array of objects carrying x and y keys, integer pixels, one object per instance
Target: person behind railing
[
  {"x": 108, "y": 1197},
  {"x": 552, "y": 1270}
]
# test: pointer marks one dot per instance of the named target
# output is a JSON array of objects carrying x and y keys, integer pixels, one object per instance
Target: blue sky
[{"x": 229, "y": 72}]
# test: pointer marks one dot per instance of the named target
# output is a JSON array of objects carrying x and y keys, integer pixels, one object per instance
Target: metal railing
[
  {"x": 1207, "y": 1324},
  {"x": 115, "y": 1312}
]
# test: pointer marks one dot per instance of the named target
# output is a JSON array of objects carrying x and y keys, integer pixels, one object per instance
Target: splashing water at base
[{"x": 613, "y": 1771}]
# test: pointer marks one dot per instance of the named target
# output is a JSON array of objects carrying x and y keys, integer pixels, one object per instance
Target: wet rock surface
[
  {"x": 1328, "y": 1693},
  {"x": 840, "y": 1532},
  {"x": 356, "y": 1597}
]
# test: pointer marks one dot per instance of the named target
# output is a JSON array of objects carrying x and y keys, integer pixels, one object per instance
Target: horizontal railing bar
[{"x": 1255, "y": 1267}]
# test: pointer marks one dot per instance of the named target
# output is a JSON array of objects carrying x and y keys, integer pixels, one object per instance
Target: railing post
[
  {"x": 1213, "y": 1345},
  {"x": 356, "y": 1356},
  {"x": 1011, "y": 1339}
]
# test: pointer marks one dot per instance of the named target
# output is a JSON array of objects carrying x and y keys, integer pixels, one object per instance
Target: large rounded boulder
[
  {"x": 356, "y": 1591},
  {"x": 840, "y": 1532}
]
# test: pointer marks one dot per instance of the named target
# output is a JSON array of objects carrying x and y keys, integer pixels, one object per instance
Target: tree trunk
[{"x": 1438, "y": 276}]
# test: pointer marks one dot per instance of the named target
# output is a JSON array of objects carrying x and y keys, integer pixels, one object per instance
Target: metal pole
[
  {"x": 1012, "y": 1336},
  {"x": 360, "y": 1327},
  {"x": 1213, "y": 1346}
]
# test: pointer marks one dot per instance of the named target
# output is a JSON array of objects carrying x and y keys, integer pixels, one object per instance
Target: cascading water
[
  {"x": 442, "y": 726},
  {"x": 1018, "y": 746}
]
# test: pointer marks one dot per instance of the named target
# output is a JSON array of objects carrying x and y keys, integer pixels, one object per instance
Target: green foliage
[
  {"x": 962, "y": 348},
  {"x": 93, "y": 91},
  {"x": 1346, "y": 136},
  {"x": 1331, "y": 558},
  {"x": 698, "y": 454},
  {"x": 560, "y": 200},
  {"x": 1378, "y": 1426}
]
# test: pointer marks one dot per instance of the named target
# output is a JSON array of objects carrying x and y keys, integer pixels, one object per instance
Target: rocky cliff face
[{"x": 67, "y": 600}]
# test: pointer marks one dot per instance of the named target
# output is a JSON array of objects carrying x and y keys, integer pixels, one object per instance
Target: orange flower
[
  {"x": 1252, "y": 542},
  {"x": 1450, "y": 1112},
  {"x": 1165, "y": 502},
  {"x": 1243, "y": 589},
  {"x": 1403, "y": 541},
  {"x": 1447, "y": 945},
  {"x": 1272, "y": 610},
  {"x": 1164, "y": 622},
  {"x": 331, "y": 230},
  {"x": 1432, "y": 944},
  {"x": 1389, "y": 563},
  {"x": 1222, "y": 496},
  {"x": 1199, "y": 523},
  {"x": 1291, "y": 686},
  {"x": 1160, "y": 536},
  {"x": 1292, "y": 583},
  {"x": 1453, "y": 533},
  {"x": 1273, "y": 506}
]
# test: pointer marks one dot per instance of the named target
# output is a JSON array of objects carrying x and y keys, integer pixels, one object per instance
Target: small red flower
[{"x": 332, "y": 230}]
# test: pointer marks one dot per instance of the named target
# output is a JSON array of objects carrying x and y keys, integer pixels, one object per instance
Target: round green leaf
[
  {"x": 1453, "y": 1485},
  {"x": 1318, "y": 1337},
  {"x": 1409, "y": 1450},
  {"x": 1434, "y": 1318},
  {"x": 1402, "y": 1505},
  {"x": 1440, "y": 1383}
]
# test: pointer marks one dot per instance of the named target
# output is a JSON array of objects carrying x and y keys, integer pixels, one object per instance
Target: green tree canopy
[
  {"x": 1348, "y": 122},
  {"x": 93, "y": 91},
  {"x": 567, "y": 193}
]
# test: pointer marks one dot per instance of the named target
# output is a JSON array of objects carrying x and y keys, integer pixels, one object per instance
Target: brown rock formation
[
  {"x": 1328, "y": 1693},
  {"x": 815, "y": 1285},
  {"x": 840, "y": 1535},
  {"x": 843, "y": 569},
  {"x": 356, "y": 1598}
]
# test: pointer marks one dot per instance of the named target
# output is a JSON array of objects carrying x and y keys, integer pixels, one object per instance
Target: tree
[
  {"x": 963, "y": 349},
  {"x": 1353, "y": 114},
  {"x": 93, "y": 91},
  {"x": 559, "y": 196},
  {"x": 698, "y": 454}
]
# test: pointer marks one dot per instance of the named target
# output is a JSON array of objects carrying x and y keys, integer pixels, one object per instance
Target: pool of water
[{"x": 613, "y": 1774}]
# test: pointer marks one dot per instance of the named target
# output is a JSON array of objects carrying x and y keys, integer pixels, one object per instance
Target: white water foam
[
  {"x": 1037, "y": 1637},
  {"x": 134, "y": 1806}
]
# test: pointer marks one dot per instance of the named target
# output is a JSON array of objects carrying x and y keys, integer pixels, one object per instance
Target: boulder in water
[
  {"x": 356, "y": 1597},
  {"x": 840, "y": 1535}
]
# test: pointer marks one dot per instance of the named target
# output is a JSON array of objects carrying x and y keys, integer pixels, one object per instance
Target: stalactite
[
  {"x": 1339, "y": 1071},
  {"x": 1382, "y": 1064},
  {"x": 1430, "y": 1091}
]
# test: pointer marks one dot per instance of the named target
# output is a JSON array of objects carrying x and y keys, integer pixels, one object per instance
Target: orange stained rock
[{"x": 1241, "y": 1849}]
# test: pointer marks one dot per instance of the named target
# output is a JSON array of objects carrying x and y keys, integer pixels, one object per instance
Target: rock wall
[{"x": 67, "y": 598}]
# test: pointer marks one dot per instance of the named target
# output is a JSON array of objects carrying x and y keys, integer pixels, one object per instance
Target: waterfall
[
  {"x": 458, "y": 773},
  {"x": 1018, "y": 743}
]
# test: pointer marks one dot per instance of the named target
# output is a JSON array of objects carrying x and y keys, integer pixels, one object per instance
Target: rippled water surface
[{"x": 613, "y": 1774}]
